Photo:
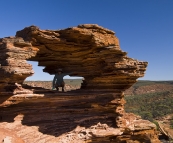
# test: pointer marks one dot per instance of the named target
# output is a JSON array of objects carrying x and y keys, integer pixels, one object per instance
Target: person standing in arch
[{"x": 58, "y": 80}]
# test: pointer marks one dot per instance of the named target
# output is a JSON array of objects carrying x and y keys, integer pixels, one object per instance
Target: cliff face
[{"x": 94, "y": 113}]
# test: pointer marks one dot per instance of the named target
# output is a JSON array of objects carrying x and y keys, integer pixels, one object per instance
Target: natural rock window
[{"x": 96, "y": 112}]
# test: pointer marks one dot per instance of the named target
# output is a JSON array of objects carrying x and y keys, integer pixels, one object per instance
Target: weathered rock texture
[
  {"x": 87, "y": 50},
  {"x": 78, "y": 116},
  {"x": 14, "y": 68}
]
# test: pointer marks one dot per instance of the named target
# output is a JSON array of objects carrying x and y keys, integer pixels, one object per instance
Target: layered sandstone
[
  {"x": 78, "y": 116},
  {"x": 13, "y": 66},
  {"x": 87, "y": 50}
]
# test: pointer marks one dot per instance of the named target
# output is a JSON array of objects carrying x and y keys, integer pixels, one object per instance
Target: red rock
[
  {"x": 7, "y": 136},
  {"x": 90, "y": 51}
]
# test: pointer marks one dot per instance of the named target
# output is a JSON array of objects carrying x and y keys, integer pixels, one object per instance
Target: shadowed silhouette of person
[{"x": 58, "y": 80}]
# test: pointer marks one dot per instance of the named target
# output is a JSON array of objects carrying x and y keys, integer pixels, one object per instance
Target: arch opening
[{"x": 44, "y": 80}]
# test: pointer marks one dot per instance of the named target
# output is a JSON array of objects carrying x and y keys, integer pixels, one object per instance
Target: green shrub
[{"x": 151, "y": 105}]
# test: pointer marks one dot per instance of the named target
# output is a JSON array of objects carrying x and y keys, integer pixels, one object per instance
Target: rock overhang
[{"x": 89, "y": 50}]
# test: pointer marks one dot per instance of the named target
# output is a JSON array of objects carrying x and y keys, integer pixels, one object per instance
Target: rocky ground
[{"x": 164, "y": 123}]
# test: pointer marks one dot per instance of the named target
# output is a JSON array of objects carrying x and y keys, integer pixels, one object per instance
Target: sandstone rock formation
[{"x": 87, "y": 50}]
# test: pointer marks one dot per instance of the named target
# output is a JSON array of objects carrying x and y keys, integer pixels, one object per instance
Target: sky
[{"x": 144, "y": 27}]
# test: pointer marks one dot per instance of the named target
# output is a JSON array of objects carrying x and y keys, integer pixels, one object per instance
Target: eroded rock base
[{"x": 78, "y": 116}]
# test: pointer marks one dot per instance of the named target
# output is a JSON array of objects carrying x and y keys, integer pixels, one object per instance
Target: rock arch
[{"x": 90, "y": 51}]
